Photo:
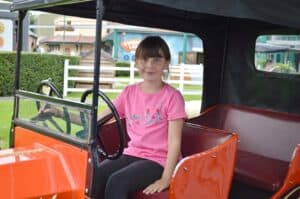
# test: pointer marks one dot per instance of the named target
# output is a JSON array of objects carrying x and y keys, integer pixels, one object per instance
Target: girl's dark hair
[{"x": 152, "y": 46}]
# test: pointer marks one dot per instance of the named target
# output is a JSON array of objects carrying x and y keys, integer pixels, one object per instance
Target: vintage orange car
[{"x": 244, "y": 144}]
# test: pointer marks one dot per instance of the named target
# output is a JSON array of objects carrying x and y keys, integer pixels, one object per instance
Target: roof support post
[
  {"x": 21, "y": 17},
  {"x": 93, "y": 159},
  {"x": 97, "y": 57}
]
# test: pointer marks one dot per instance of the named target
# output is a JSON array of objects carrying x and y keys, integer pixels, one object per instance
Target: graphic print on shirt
[{"x": 151, "y": 117}]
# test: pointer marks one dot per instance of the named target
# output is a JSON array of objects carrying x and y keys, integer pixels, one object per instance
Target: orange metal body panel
[
  {"x": 40, "y": 166},
  {"x": 293, "y": 175},
  {"x": 207, "y": 174}
]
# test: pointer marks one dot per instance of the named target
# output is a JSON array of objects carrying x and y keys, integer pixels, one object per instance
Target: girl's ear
[
  {"x": 166, "y": 67},
  {"x": 166, "y": 72}
]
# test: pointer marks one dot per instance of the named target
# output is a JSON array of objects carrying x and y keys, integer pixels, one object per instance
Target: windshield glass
[{"x": 54, "y": 115}]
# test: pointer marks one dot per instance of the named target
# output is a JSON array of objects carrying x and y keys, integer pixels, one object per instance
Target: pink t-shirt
[{"x": 147, "y": 117}]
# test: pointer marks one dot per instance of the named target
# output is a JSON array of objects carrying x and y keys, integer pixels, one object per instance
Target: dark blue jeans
[{"x": 118, "y": 179}]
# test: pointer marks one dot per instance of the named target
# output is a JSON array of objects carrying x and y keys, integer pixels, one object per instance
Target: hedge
[{"x": 34, "y": 68}]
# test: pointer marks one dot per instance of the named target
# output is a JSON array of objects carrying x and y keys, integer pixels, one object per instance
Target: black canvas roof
[{"x": 163, "y": 12}]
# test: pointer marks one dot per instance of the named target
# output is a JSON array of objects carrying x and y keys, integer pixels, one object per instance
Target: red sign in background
[
  {"x": 2, "y": 27},
  {"x": 1, "y": 42}
]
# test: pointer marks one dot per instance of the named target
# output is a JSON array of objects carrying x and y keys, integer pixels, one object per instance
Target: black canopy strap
[
  {"x": 93, "y": 160},
  {"x": 21, "y": 17},
  {"x": 224, "y": 58}
]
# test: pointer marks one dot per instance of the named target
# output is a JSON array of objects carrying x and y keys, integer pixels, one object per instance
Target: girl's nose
[{"x": 148, "y": 63}]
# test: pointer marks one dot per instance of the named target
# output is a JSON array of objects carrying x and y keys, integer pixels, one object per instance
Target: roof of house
[
  {"x": 269, "y": 48},
  {"x": 69, "y": 39}
]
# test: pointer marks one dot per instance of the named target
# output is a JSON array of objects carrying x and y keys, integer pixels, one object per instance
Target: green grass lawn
[{"x": 6, "y": 107}]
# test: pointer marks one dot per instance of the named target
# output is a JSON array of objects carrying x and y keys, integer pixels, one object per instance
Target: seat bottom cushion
[
  {"x": 161, "y": 195},
  {"x": 259, "y": 171}
]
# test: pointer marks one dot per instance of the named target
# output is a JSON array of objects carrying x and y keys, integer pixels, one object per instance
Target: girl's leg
[
  {"x": 136, "y": 176},
  {"x": 106, "y": 168}
]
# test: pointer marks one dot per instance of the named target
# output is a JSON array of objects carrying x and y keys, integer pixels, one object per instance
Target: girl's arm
[{"x": 174, "y": 146}]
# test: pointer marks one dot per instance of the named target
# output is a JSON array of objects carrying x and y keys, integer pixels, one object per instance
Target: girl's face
[{"x": 151, "y": 69}]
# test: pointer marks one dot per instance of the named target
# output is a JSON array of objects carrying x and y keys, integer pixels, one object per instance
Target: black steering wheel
[
  {"x": 46, "y": 116},
  {"x": 101, "y": 150}
]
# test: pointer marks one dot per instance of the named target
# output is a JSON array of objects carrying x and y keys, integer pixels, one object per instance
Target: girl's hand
[{"x": 157, "y": 186}]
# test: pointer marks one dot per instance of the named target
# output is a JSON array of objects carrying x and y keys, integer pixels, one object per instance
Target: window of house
[
  {"x": 278, "y": 53},
  {"x": 54, "y": 48}
]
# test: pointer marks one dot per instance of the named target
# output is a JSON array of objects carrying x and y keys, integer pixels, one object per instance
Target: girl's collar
[{"x": 139, "y": 85}]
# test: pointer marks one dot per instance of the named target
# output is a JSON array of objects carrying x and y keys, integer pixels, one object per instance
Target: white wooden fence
[{"x": 179, "y": 75}]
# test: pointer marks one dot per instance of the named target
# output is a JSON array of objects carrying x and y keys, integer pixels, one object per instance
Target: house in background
[
  {"x": 66, "y": 39},
  {"x": 69, "y": 45},
  {"x": 278, "y": 49},
  {"x": 71, "y": 36}
]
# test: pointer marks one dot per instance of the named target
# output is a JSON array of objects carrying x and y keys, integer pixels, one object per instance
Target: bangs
[
  {"x": 152, "y": 47},
  {"x": 149, "y": 52}
]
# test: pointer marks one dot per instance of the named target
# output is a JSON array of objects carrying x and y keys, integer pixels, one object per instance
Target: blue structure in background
[{"x": 126, "y": 41}]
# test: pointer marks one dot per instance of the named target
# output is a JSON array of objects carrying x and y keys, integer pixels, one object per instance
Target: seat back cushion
[
  {"x": 264, "y": 132},
  {"x": 197, "y": 138}
]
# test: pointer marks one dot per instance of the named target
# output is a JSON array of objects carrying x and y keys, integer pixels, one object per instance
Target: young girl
[{"x": 154, "y": 113}]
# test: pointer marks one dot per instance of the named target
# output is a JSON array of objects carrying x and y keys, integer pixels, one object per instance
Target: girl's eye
[
  {"x": 140, "y": 61},
  {"x": 157, "y": 60}
]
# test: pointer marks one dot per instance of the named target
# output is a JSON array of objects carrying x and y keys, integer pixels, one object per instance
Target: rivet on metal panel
[
  {"x": 185, "y": 169},
  {"x": 214, "y": 156}
]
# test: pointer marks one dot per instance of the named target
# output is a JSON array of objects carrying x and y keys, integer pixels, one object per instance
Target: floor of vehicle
[{"x": 240, "y": 190}]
